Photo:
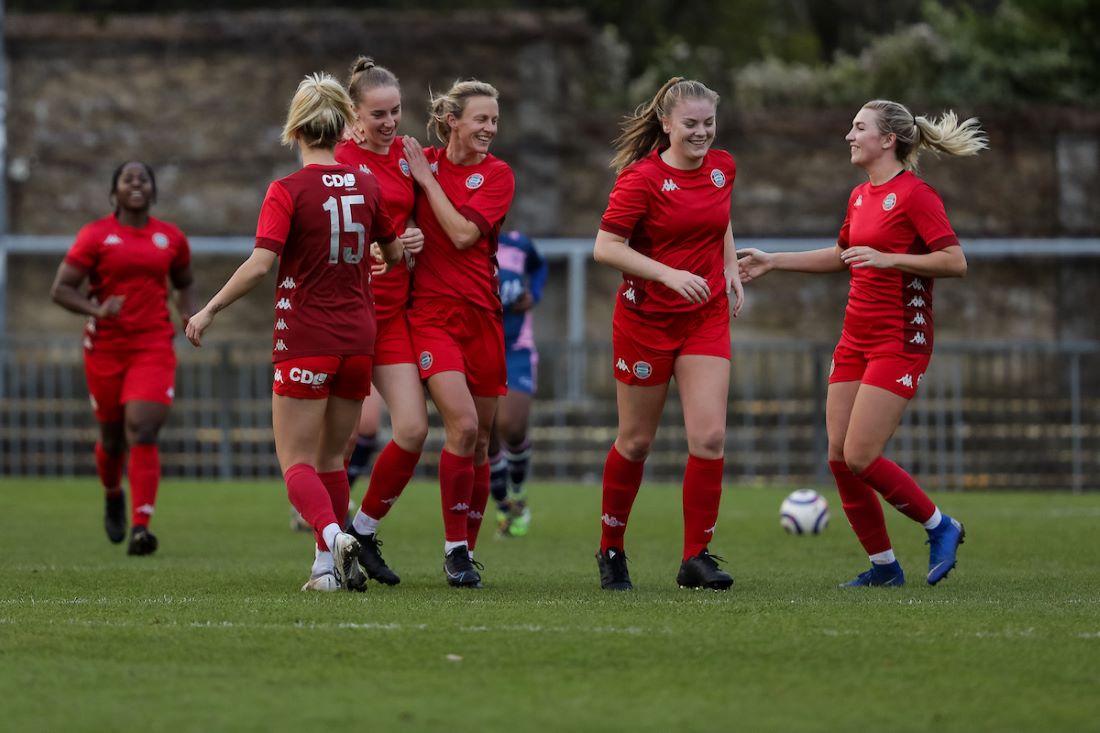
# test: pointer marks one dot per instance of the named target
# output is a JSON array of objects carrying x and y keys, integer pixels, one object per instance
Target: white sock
[
  {"x": 322, "y": 563},
  {"x": 364, "y": 524},
  {"x": 934, "y": 520},
  {"x": 883, "y": 558},
  {"x": 329, "y": 534},
  {"x": 448, "y": 546}
]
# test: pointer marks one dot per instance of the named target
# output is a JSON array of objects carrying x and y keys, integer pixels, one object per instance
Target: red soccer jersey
[
  {"x": 890, "y": 308},
  {"x": 676, "y": 217},
  {"x": 482, "y": 193},
  {"x": 391, "y": 290},
  {"x": 321, "y": 221},
  {"x": 135, "y": 263}
]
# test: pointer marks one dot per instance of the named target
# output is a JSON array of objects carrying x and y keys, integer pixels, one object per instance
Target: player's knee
[
  {"x": 462, "y": 432},
  {"x": 708, "y": 444},
  {"x": 858, "y": 459},
  {"x": 634, "y": 448},
  {"x": 410, "y": 436},
  {"x": 143, "y": 432}
]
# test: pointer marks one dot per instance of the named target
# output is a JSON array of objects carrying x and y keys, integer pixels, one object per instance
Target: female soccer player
[
  {"x": 667, "y": 228},
  {"x": 319, "y": 222},
  {"x": 128, "y": 259},
  {"x": 523, "y": 274},
  {"x": 895, "y": 239},
  {"x": 463, "y": 195},
  {"x": 376, "y": 97}
]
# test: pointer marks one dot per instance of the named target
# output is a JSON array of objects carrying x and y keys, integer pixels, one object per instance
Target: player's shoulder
[
  {"x": 95, "y": 231},
  {"x": 717, "y": 157},
  {"x": 167, "y": 227}
]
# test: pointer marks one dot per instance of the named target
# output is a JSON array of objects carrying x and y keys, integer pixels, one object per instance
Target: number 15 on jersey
[{"x": 349, "y": 226}]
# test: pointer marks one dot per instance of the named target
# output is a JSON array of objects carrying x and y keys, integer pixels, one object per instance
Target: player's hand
[
  {"x": 196, "y": 324},
  {"x": 110, "y": 307},
  {"x": 752, "y": 263},
  {"x": 691, "y": 287},
  {"x": 419, "y": 168},
  {"x": 856, "y": 257},
  {"x": 524, "y": 302},
  {"x": 379, "y": 266},
  {"x": 734, "y": 288},
  {"x": 356, "y": 133},
  {"x": 412, "y": 239}
]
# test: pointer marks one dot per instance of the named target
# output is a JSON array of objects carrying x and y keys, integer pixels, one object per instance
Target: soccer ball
[{"x": 804, "y": 512}]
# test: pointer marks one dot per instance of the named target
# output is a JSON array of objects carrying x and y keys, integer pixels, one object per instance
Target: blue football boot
[
  {"x": 879, "y": 575},
  {"x": 945, "y": 540}
]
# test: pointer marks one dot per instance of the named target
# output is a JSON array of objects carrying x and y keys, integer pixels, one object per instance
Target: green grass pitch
[{"x": 212, "y": 633}]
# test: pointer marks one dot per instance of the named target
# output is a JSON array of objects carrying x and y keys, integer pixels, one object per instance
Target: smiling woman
[{"x": 667, "y": 229}]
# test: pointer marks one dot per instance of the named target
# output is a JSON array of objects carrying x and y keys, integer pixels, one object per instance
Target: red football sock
[
  {"x": 144, "y": 473},
  {"x": 310, "y": 497},
  {"x": 456, "y": 485},
  {"x": 391, "y": 474},
  {"x": 479, "y": 499},
  {"x": 862, "y": 507},
  {"x": 621, "y": 481},
  {"x": 702, "y": 495},
  {"x": 899, "y": 488},
  {"x": 109, "y": 469}
]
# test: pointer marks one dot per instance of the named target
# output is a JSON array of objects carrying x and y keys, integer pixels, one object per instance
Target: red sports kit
[{"x": 678, "y": 218}]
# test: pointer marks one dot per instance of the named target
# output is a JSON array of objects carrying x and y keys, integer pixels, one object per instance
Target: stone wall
[{"x": 202, "y": 97}]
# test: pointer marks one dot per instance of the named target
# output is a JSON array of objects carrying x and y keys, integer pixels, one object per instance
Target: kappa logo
[
  {"x": 642, "y": 369},
  {"x": 718, "y": 178},
  {"x": 390, "y": 502},
  {"x": 905, "y": 381},
  {"x": 711, "y": 530},
  {"x": 475, "y": 515},
  {"x": 630, "y": 295},
  {"x": 280, "y": 345},
  {"x": 364, "y": 168},
  {"x": 112, "y": 239},
  {"x": 339, "y": 180},
  {"x": 146, "y": 509},
  {"x": 611, "y": 521},
  {"x": 918, "y": 339},
  {"x": 404, "y": 166},
  {"x": 279, "y": 376},
  {"x": 160, "y": 240},
  {"x": 474, "y": 180},
  {"x": 434, "y": 167},
  {"x": 669, "y": 185},
  {"x": 280, "y": 325},
  {"x": 889, "y": 201},
  {"x": 918, "y": 320},
  {"x": 288, "y": 283},
  {"x": 916, "y": 284},
  {"x": 859, "y": 202},
  {"x": 916, "y": 302},
  {"x": 460, "y": 507},
  {"x": 283, "y": 304},
  {"x": 620, "y": 364},
  {"x": 426, "y": 360}
]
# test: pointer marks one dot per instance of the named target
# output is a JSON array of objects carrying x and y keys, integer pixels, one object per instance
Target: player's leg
[
  {"x": 479, "y": 494},
  {"x": 143, "y": 423},
  {"x": 703, "y": 382},
  {"x": 876, "y": 414},
  {"x": 400, "y": 387},
  {"x": 104, "y": 372},
  {"x": 365, "y": 442},
  {"x": 498, "y": 480},
  {"x": 513, "y": 416},
  {"x": 452, "y": 398}
]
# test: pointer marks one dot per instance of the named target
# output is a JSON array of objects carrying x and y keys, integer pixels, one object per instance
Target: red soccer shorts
[
  {"x": 645, "y": 346},
  {"x": 453, "y": 336},
  {"x": 393, "y": 343},
  {"x": 896, "y": 372},
  {"x": 318, "y": 377},
  {"x": 117, "y": 377}
]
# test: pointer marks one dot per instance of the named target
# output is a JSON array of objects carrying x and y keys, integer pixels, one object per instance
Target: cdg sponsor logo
[
  {"x": 346, "y": 180},
  {"x": 305, "y": 376}
]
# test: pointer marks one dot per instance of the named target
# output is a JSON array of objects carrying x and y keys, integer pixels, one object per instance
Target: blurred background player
[
  {"x": 319, "y": 223},
  {"x": 128, "y": 259},
  {"x": 667, "y": 228},
  {"x": 894, "y": 240},
  {"x": 376, "y": 100},
  {"x": 463, "y": 195},
  {"x": 523, "y": 273}
]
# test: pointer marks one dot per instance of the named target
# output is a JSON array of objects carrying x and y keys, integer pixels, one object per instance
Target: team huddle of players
[{"x": 393, "y": 270}]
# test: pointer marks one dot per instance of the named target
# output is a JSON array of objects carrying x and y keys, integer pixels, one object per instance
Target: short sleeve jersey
[
  {"x": 391, "y": 290},
  {"x": 888, "y": 308},
  {"x": 522, "y": 270},
  {"x": 676, "y": 217},
  {"x": 321, "y": 221},
  {"x": 482, "y": 193},
  {"x": 133, "y": 262}
]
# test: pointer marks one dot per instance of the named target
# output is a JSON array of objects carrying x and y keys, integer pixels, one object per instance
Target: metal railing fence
[{"x": 987, "y": 416}]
